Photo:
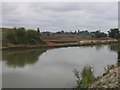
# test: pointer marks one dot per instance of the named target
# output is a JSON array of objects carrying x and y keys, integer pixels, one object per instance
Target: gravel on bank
[{"x": 109, "y": 80}]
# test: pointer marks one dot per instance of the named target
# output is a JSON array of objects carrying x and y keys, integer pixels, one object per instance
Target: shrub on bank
[
  {"x": 22, "y": 36},
  {"x": 84, "y": 78}
]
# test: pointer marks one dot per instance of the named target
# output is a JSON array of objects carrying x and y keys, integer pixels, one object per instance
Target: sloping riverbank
[
  {"x": 56, "y": 45},
  {"x": 109, "y": 80}
]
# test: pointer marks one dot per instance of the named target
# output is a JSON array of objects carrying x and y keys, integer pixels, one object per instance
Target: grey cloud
[{"x": 57, "y": 16}]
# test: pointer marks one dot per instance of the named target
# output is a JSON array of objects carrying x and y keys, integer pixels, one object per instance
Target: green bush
[
  {"x": 11, "y": 37},
  {"x": 84, "y": 78},
  {"x": 22, "y": 36},
  {"x": 114, "y": 33}
]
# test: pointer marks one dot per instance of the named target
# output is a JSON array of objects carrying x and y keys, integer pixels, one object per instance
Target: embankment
[
  {"x": 57, "y": 45},
  {"x": 109, "y": 79}
]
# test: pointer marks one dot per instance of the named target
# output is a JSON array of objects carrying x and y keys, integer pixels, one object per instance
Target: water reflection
[
  {"x": 99, "y": 47},
  {"x": 116, "y": 48},
  {"x": 21, "y": 58},
  {"x": 53, "y": 69}
]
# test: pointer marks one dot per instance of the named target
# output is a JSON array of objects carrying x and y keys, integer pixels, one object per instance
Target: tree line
[{"x": 113, "y": 33}]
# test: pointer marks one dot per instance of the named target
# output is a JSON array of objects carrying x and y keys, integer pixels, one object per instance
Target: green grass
[{"x": 84, "y": 78}]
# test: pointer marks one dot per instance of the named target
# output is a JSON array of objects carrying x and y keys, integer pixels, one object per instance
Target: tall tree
[{"x": 114, "y": 33}]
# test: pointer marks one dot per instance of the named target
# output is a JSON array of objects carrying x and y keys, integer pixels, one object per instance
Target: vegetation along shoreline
[
  {"x": 21, "y": 47},
  {"x": 21, "y": 38}
]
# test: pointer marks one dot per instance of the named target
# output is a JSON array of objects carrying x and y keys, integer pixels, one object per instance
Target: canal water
[{"x": 53, "y": 68}]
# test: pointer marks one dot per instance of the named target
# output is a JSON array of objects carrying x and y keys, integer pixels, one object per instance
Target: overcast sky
[{"x": 67, "y": 16}]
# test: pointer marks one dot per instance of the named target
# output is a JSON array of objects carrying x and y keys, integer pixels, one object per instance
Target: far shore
[{"x": 57, "y": 44}]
